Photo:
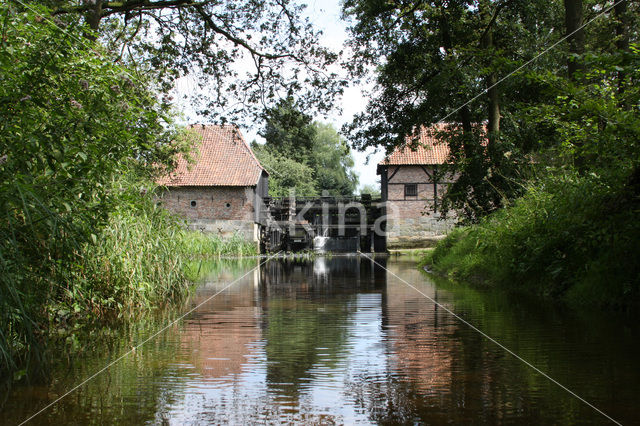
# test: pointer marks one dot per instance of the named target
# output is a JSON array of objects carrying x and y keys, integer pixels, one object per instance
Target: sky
[{"x": 325, "y": 15}]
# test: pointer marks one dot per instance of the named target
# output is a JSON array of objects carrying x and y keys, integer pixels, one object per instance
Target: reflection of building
[
  {"x": 348, "y": 274},
  {"x": 444, "y": 371},
  {"x": 411, "y": 184},
  {"x": 221, "y": 334},
  {"x": 218, "y": 192},
  {"x": 307, "y": 305},
  {"x": 421, "y": 343}
]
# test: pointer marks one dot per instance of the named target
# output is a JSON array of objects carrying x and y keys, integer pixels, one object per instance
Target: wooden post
[{"x": 435, "y": 189}]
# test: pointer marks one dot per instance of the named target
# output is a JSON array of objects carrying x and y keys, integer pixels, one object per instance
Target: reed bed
[
  {"x": 196, "y": 243},
  {"x": 137, "y": 263}
]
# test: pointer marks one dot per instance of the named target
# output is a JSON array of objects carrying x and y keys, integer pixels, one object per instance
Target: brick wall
[
  {"x": 221, "y": 210},
  {"x": 413, "y": 224},
  {"x": 411, "y": 221}
]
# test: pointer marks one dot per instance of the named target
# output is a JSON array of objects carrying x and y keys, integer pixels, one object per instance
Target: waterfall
[{"x": 319, "y": 242}]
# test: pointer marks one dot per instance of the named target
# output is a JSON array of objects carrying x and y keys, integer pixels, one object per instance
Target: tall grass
[
  {"x": 139, "y": 261},
  {"x": 136, "y": 264},
  {"x": 570, "y": 237},
  {"x": 196, "y": 243},
  {"x": 37, "y": 245}
]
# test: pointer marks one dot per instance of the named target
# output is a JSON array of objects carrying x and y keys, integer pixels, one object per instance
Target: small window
[
  {"x": 411, "y": 190},
  {"x": 193, "y": 203},
  {"x": 227, "y": 205}
]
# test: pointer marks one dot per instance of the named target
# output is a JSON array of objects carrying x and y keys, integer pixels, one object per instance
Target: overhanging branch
[
  {"x": 113, "y": 7},
  {"x": 240, "y": 42}
]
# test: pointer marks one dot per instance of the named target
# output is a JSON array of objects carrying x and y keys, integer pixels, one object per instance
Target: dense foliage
[
  {"x": 81, "y": 138},
  {"x": 286, "y": 175},
  {"x": 431, "y": 59},
  {"x": 572, "y": 238},
  {"x": 243, "y": 54},
  {"x": 574, "y": 233},
  {"x": 308, "y": 157},
  {"x": 70, "y": 120},
  {"x": 476, "y": 64},
  {"x": 543, "y": 110}
]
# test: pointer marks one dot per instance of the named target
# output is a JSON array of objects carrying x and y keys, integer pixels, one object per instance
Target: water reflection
[
  {"x": 221, "y": 335},
  {"x": 307, "y": 306},
  {"x": 340, "y": 340}
]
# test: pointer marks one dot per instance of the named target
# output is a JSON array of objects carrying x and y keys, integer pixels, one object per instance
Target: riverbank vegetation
[
  {"x": 569, "y": 237},
  {"x": 82, "y": 237},
  {"x": 574, "y": 232},
  {"x": 308, "y": 157},
  {"x": 546, "y": 156}
]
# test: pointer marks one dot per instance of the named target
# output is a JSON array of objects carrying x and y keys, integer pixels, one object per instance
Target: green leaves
[
  {"x": 276, "y": 48},
  {"x": 71, "y": 121},
  {"x": 442, "y": 61},
  {"x": 286, "y": 174},
  {"x": 310, "y": 157}
]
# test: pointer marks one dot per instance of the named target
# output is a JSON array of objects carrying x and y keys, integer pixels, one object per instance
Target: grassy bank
[
  {"x": 139, "y": 262},
  {"x": 196, "y": 243},
  {"x": 570, "y": 237},
  {"x": 82, "y": 239},
  {"x": 141, "y": 259}
]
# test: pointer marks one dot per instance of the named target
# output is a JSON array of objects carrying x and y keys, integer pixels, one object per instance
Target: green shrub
[
  {"x": 72, "y": 120},
  {"x": 569, "y": 236}
]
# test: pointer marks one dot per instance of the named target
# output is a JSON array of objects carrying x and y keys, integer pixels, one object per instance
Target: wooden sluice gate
[{"x": 336, "y": 224}]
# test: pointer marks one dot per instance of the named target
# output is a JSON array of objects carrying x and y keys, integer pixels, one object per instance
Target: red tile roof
[
  {"x": 429, "y": 150},
  {"x": 223, "y": 159}
]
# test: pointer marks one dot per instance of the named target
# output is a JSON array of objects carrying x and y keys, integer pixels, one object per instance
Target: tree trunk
[
  {"x": 622, "y": 37},
  {"x": 493, "y": 124},
  {"x": 494, "y": 105},
  {"x": 93, "y": 16},
  {"x": 573, "y": 22}
]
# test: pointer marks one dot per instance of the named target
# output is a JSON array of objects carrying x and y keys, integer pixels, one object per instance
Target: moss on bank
[{"x": 575, "y": 238}]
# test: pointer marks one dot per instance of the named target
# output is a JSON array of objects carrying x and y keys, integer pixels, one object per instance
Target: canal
[{"x": 343, "y": 340}]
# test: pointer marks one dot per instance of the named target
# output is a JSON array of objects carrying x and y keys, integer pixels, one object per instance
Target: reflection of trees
[
  {"x": 302, "y": 334},
  {"x": 127, "y": 393},
  {"x": 307, "y": 305},
  {"x": 441, "y": 371}
]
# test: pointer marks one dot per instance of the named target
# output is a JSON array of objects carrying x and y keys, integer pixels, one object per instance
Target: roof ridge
[
  {"x": 420, "y": 148},
  {"x": 430, "y": 148}
]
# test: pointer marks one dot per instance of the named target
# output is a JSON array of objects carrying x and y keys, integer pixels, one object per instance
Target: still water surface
[{"x": 340, "y": 341}]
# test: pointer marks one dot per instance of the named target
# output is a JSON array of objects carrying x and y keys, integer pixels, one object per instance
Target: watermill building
[{"x": 221, "y": 190}]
